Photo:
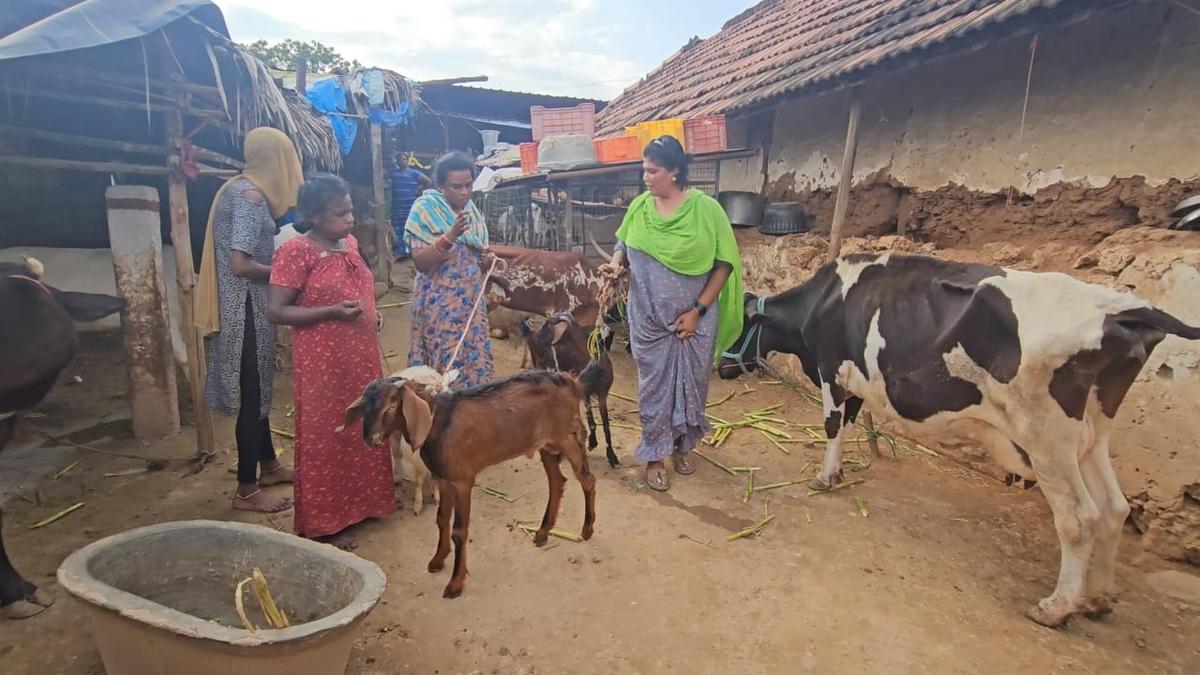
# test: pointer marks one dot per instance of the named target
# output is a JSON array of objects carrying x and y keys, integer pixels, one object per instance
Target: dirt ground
[{"x": 934, "y": 579}]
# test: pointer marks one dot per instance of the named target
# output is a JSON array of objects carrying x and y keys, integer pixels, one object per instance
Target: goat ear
[
  {"x": 560, "y": 330},
  {"x": 354, "y": 413},
  {"x": 418, "y": 418}
]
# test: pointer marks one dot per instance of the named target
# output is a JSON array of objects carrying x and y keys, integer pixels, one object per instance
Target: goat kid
[
  {"x": 426, "y": 383},
  {"x": 561, "y": 344},
  {"x": 472, "y": 429}
]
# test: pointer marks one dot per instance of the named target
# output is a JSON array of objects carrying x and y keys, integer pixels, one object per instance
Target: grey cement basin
[{"x": 161, "y": 600}]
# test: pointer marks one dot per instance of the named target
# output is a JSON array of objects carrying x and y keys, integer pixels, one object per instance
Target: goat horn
[{"x": 596, "y": 245}]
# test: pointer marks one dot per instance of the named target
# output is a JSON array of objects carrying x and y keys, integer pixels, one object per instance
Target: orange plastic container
[
  {"x": 580, "y": 119},
  {"x": 528, "y": 157},
  {"x": 705, "y": 134},
  {"x": 619, "y": 149},
  {"x": 648, "y": 131}
]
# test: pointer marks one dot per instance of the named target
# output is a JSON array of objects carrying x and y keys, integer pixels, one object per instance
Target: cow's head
[
  {"x": 388, "y": 406},
  {"x": 750, "y": 347},
  {"x": 79, "y": 306}
]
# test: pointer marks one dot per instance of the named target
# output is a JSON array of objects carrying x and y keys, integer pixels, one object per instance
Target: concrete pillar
[{"x": 134, "y": 229}]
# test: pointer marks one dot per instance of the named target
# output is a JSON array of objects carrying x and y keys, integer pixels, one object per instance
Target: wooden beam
[
  {"x": 383, "y": 265},
  {"x": 456, "y": 80},
  {"x": 89, "y": 141},
  {"x": 102, "y": 167},
  {"x": 125, "y": 103},
  {"x": 185, "y": 277},
  {"x": 845, "y": 180},
  {"x": 302, "y": 76},
  {"x": 214, "y": 156},
  {"x": 91, "y": 76}
]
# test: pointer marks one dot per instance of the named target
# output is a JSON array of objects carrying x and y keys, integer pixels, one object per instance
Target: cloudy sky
[{"x": 591, "y": 48}]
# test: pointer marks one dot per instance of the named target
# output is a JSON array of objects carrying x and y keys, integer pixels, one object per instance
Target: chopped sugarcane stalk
[
  {"x": 776, "y": 486},
  {"x": 770, "y": 430},
  {"x": 561, "y": 534},
  {"x": 274, "y": 615},
  {"x": 752, "y": 530},
  {"x": 774, "y": 442},
  {"x": 622, "y": 397},
  {"x": 240, "y": 606},
  {"x": 749, "y": 488},
  {"x": 65, "y": 512},
  {"x": 744, "y": 469},
  {"x": 861, "y": 506},
  {"x": 65, "y": 470},
  {"x": 839, "y": 486},
  {"x": 713, "y": 404},
  {"x": 714, "y": 462},
  {"x": 281, "y": 432}
]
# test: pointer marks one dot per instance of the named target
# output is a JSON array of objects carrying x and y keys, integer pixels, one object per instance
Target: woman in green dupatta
[{"x": 684, "y": 305}]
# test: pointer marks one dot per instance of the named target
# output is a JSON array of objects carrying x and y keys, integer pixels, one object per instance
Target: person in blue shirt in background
[{"x": 407, "y": 184}]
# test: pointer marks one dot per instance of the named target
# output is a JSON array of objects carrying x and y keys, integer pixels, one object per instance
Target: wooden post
[
  {"x": 383, "y": 267},
  {"x": 840, "y": 207},
  {"x": 302, "y": 76},
  {"x": 845, "y": 180},
  {"x": 185, "y": 276},
  {"x": 135, "y": 233}
]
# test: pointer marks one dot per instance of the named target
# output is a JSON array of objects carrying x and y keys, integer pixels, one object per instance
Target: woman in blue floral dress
[{"x": 448, "y": 238}]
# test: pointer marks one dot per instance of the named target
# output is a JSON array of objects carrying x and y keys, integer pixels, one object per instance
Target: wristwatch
[{"x": 699, "y": 306}]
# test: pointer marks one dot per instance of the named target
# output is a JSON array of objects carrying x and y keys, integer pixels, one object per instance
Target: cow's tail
[{"x": 1160, "y": 320}]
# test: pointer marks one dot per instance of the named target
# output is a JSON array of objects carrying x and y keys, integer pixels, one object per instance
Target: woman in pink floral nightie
[{"x": 321, "y": 286}]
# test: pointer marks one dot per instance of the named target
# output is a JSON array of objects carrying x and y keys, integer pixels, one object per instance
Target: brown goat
[
  {"x": 561, "y": 344},
  {"x": 472, "y": 429}
]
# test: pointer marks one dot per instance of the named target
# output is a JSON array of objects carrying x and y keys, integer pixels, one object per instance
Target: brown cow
[
  {"x": 37, "y": 340},
  {"x": 546, "y": 282}
]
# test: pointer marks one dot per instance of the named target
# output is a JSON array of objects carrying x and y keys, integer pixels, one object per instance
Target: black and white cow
[
  {"x": 37, "y": 340},
  {"x": 1031, "y": 366}
]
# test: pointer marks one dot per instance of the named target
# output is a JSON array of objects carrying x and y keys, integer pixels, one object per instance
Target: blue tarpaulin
[{"x": 328, "y": 96}]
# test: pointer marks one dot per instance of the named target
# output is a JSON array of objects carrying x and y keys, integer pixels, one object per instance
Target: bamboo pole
[
  {"x": 842, "y": 204},
  {"x": 181, "y": 238},
  {"x": 840, "y": 207},
  {"x": 383, "y": 269}
]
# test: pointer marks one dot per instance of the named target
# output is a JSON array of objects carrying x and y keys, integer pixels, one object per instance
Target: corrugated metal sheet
[{"x": 781, "y": 46}]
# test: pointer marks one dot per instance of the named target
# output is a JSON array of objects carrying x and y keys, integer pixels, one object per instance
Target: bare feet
[
  {"x": 254, "y": 499},
  {"x": 275, "y": 474}
]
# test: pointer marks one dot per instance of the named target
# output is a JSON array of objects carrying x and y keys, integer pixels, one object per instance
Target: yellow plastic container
[{"x": 648, "y": 131}]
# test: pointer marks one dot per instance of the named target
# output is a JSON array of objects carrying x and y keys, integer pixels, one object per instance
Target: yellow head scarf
[{"x": 273, "y": 166}]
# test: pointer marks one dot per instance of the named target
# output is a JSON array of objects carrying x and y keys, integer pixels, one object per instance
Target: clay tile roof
[{"x": 781, "y": 46}]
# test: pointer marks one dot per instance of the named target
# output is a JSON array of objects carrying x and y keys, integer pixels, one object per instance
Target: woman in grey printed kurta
[
  {"x": 679, "y": 247},
  {"x": 239, "y": 246}
]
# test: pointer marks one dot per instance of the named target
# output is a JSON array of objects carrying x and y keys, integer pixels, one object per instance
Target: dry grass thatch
[{"x": 264, "y": 103}]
